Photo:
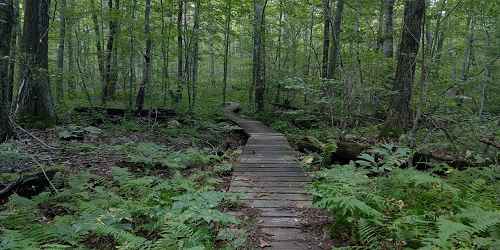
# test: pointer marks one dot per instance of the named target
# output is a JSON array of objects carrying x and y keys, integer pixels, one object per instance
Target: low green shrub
[
  {"x": 128, "y": 213},
  {"x": 409, "y": 208}
]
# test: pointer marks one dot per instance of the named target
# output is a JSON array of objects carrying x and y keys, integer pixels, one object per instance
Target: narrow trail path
[{"x": 274, "y": 184}]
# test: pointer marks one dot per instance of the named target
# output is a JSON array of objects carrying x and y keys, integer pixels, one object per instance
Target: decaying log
[
  {"x": 346, "y": 150},
  {"x": 490, "y": 142},
  {"x": 27, "y": 186},
  {"x": 158, "y": 114}
]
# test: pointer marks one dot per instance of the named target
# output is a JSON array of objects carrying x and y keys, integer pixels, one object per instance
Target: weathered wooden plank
[
  {"x": 268, "y": 169},
  {"x": 279, "y": 222},
  {"x": 291, "y": 245},
  {"x": 273, "y": 178},
  {"x": 272, "y": 212},
  {"x": 269, "y": 184},
  {"x": 270, "y": 174},
  {"x": 274, "y": 196},
  {"x": 269, "y": 165},
  {"x": 284, "y": 234},
  {"x": 267, "y": 159},
  {"x": 277, "y": 203},
  {"x": 278, "y": 190}
]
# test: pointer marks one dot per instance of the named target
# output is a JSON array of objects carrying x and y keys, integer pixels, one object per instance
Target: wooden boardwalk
[{"x": 272, "y": 182}]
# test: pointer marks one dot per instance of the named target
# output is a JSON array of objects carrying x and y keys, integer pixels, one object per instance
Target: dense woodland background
[{"x": 338, "y": 77}]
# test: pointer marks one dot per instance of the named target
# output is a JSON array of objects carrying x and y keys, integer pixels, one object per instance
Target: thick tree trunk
[
  {"x": 335, "y": 50},
  {"x": 35, "y": 104},
  {"x": 195, "y": 53},
  {"x": 14, "y": 63},
  {"x": 388, "y": 28},
  {"x": 259, "y": 63},
  {"x": 6, "y": 24},
  {"x": 327, "y": 14},
  {"x": 98, "y": 44},
  {"x": 227, "y": 32},
  {"x": 109, "y": 74},
  {"x": 180, "y": 53},
  {"x": 147, "y": 59},
  {"x": 165, "y": 51},
  {"x": 131, "y": 59},
  {"x": 60, "y": 52},
  {"x": 399, "y": 117}
]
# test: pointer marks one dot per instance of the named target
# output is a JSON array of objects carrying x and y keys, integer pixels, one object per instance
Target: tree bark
[
  {"x": 147, "y": 58},
  {"x": 227, "y": 33},
  {"x": 335, "y": 50},
  {"x": 399, "y": 117},
  {"x": 195, "y": 53},
  {"x": 14, "y": 63},
  {"x": 379, "y": 43},
  {"x": 259, "y": 63},
  {"x": 6, "y": 24},
  {"x": 131, "y": 58},
  {"x": 98, "y": 44},
  {"x": 180, "y": 53},
  {"x": 388, "y": 28},
  {"x": 71, "y": 59},
  {"x": 165, "y": 51},
  {"x": 327, "y": 14},
  {"x": 109, "y": 73},
  {"x": 35, "y": 104},
  {"x": 60, "y": 52}
]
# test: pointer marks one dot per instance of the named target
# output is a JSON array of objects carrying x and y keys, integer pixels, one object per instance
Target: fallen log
[
  {"x": 490, "y": 142},
  {"x": 158, "y": 114},
  {"x": 27, "y": 186},
  {"x": 346, "y": 150}
]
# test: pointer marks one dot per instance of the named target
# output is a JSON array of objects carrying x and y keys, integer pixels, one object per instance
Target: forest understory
[{"x": 114, "y": 132}]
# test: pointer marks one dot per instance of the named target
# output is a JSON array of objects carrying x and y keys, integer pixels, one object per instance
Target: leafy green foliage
[
  {"x": 223, "y": 169},
  {"x": 10, "y": 155},
  {"x": 384, "y": 158},
  {"x": 412, "y": 209},
  {"x": 154, "y": 155},
  {"x": 135, "y": 212}
]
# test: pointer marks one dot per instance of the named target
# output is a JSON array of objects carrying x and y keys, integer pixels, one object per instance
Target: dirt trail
[{"x": 274, "y": 184}]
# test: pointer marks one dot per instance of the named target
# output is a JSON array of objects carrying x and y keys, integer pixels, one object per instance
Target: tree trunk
[
  {"x": 14, "y": 63},
  {"x": 71, "y": 59},
  {"x": 131, "y": 59},
  {"x": 195, "y": 52},
  {"x": 399, "y": 117},
  {"x": 35, "y": 106},
  {"x": 259, "y": 63},
  {"x": 180, "y": 53},
  {"x": 147, "y": 58},
  {"x": 380, "y": 26},
  {"x": 60, "y": 52},
  {"x": 335, "y": 50},
  {"x": 469, "y": 43},
  {"x": 327, "y": 14},
  {"x": 227, "y": 32},
  {"x": 109, "y": 80},
  {"x": 277, "y": 62},
  {"x": 98, "y": 44},
  {"x": 6, "y": 24},
  {"x": 165, "y": 51},
  {"x": 388, "y": 28}
]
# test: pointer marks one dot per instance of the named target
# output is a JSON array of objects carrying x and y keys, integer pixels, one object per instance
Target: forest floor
[
  {"x": 92, "y": 166},
  {"x": 133, "y": 183}
]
